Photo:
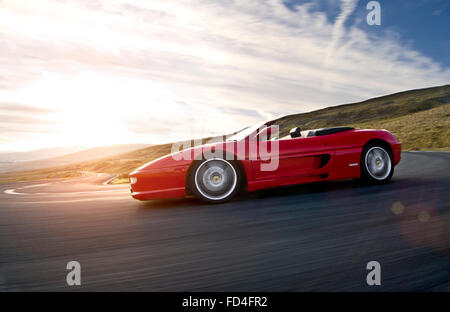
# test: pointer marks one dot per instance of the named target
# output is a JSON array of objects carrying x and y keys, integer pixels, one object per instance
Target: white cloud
[{"x": 161, "y": 70}]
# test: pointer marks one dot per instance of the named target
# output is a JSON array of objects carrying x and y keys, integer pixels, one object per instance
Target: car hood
[{"x": 179, "y": 158}]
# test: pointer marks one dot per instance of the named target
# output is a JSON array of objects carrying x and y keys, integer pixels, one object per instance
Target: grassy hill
[
  {"x": 420, "y": 119},
  {"x": 120, "y": 164},
  {"x": 43, "y": 153},
  {"x": 79, "y": 156}
]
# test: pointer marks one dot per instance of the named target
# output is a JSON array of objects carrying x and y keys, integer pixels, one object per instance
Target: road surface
[{"x": 316, "y": 237}]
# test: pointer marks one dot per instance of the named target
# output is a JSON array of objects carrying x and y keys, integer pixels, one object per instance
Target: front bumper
[{"x": 159, "y": 183}]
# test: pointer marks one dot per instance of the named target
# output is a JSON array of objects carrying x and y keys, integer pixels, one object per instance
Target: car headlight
[{"x": 133, "y": 180}]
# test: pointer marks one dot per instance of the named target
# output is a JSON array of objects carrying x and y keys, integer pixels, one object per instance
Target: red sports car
[{"x": 255, "y": 158}]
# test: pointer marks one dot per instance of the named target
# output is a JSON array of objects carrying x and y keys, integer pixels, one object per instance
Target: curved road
[{"x": 316, "y": 237}]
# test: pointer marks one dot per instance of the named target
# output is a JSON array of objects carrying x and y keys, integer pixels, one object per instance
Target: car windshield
[{"x": 241, "y": 135}]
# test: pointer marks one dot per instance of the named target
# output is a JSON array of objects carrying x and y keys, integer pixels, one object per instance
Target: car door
[{"x": 310, "y": 156}]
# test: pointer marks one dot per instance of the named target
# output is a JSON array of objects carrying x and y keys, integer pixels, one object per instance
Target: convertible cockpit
[{"x": 298, "y": 133}]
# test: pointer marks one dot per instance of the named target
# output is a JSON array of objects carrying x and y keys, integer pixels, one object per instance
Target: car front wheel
[{"x": 215, "y": 180}]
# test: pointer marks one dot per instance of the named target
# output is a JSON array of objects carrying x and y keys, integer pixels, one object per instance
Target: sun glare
[{"x": 90, "y": 109}]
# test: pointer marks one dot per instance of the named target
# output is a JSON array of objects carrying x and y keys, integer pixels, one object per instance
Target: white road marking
[
  {"x": 75, "y": 200},
  {"x": 109, "y": 180},
  {"x": 16, "y": 190},
  {"x": 13, "y": 192},
  {"x": 102, "y": 191},
  {"x": 35, "y": 185}
]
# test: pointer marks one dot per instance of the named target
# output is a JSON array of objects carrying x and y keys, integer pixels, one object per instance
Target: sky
[{"x": 91, "y": 72}]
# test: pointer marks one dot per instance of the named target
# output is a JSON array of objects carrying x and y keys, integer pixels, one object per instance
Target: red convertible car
[{"x": 255, "y": 158}]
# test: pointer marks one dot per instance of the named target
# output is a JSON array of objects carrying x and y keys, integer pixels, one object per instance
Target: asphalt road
[{"x": 316, "y": 237}]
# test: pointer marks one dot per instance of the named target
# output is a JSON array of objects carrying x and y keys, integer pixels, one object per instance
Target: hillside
[
  {"x": 80, "y": 156},
  {"x": 50, "y": 152},
  {"x": 419, "y": 119},
  {"x": 8, "y": 159},
  {"x": 120, "y": 164},
  {"x": 371, "y": 113}
]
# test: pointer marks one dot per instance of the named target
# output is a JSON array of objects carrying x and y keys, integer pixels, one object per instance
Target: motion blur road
[{"x": 316, "y": 237}]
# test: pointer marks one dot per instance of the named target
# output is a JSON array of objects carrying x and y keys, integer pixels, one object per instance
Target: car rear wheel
[
  {"x": 376, "y": 164},
  {"x": 215, "y": 180}
]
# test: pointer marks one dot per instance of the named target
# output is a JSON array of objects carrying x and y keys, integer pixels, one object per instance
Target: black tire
[
  {"x": 215, "y": 180},
  {"x": 377, "y": 166}
]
